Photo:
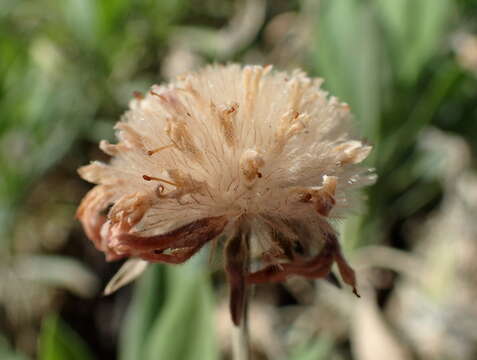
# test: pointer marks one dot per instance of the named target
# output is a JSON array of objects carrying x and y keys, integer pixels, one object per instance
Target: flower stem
[{"x": 241, "y": 339}]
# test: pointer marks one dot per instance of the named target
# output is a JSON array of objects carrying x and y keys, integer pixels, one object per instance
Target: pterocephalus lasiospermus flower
[{"x": 265, "y": 158}]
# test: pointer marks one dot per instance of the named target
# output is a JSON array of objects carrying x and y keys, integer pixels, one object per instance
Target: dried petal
[
  {"x": 236, "y": 258},
  {"x": 196, "y": 233},
  {"x": 130, "y": 270}
]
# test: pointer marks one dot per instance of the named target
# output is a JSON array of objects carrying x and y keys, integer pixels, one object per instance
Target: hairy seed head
[{"x": 225, "y": 149}]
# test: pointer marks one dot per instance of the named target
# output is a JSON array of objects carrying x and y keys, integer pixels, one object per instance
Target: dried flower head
[{"x": 265, "y": 158}]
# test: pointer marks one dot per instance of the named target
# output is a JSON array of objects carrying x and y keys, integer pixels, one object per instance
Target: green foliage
[
  {"x": 321, "y": 349},
  {"x": 59, "y": 342},
  {"x": 185, "y": 328},
  {"x": 57, "y": 72},
  {"x": 147, "y": 304},
  {"x": 414, "y": 30},
  {"x": 171, "y": 316},
  {"x": 348, "y": 55}
]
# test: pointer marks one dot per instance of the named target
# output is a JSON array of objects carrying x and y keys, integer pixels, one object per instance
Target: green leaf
[
  {"x": 80, "y": 17},
  {"x": 59, "y": 342},
  {"x": 146, "y": 305},
  {"x": 414, "y": 30},
  {"x": 347, "y": 54},
  {"x": 164, "y": 13},
  {"x": 184, "y": 330},
  {"x": 441, "y": 85}
]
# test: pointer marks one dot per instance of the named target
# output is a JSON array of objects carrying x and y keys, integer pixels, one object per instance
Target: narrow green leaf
[
  {"x": 59, "y": 342},
  {"x": 81, "y": 17},
  {"x": 146, "y": 305},
  {"x": 347, "y": 54},
  {"x": 165, "y": 13},
  {"x": 184, "y": 329},
  {"x": 423, "y": 113},
  {"x": 414, "y": 30}
]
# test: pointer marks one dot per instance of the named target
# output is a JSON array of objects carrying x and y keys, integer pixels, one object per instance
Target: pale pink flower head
[{"x": 265, "y": 158}]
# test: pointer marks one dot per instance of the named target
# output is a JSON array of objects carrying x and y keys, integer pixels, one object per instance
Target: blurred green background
[{"x": 408, "y": 68}]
